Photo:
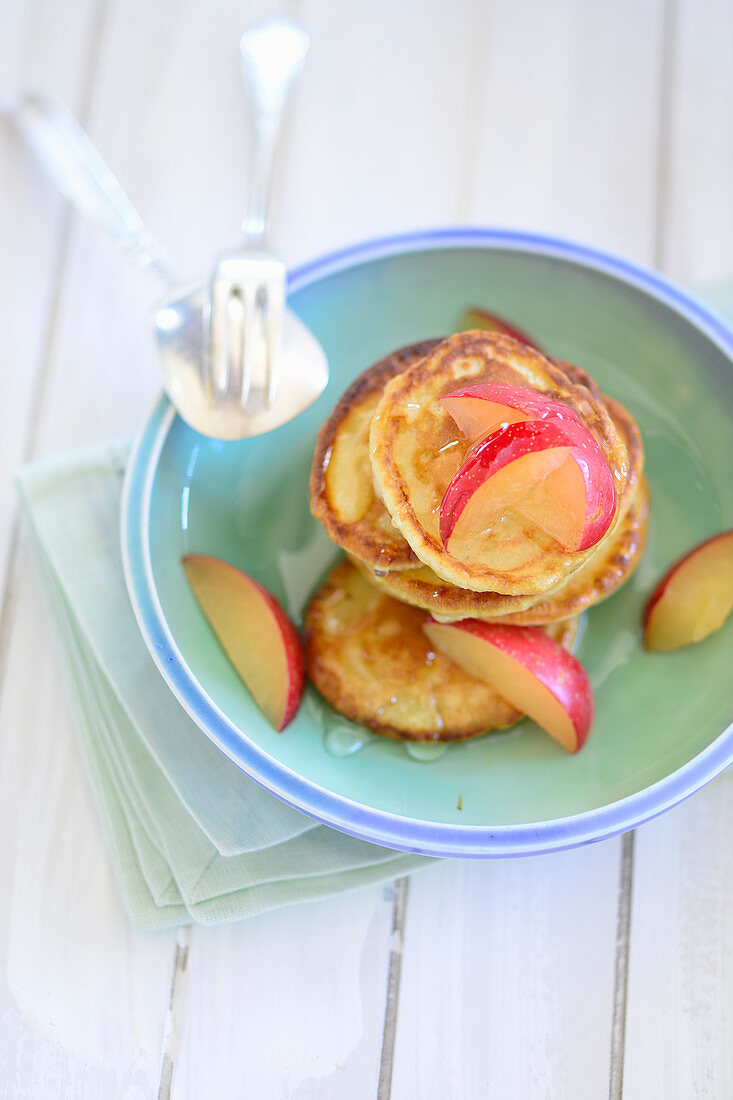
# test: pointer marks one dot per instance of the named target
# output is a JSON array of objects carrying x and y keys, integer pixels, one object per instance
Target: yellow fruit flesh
[{"x": 696, "y": 600}]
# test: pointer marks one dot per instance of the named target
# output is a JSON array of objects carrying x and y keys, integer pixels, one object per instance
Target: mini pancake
[
  {"x": 602, "y": 574},
  {"x": 341, "y": 487},
  {"x": 369, "y": 657},
  {"x": 342, "y": 491},
  {"x": 416, "y": 449}
]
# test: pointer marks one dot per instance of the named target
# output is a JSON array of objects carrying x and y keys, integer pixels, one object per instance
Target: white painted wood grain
[
  {"x": 377, "y": 139},
  {"x": 564, "y": 120},
  {"x": 289, "y": 1004},
  {"x": 698, "y": 214},
  {"x": 32, "y": 222},
  {"x": 680, "y": 1007},
  {"x": 507, "y": 978},
  {"x": 82, "y": 997}
]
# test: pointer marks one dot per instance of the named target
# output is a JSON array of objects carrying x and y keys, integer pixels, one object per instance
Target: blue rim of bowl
[{"x": 367, "y": 823}]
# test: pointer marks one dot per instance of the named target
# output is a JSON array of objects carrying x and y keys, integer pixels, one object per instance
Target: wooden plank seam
[
  {"x": 621, "y": 975},
  {"x": 174, "y": 1015},
  {"x": 386, "y": 1061}
]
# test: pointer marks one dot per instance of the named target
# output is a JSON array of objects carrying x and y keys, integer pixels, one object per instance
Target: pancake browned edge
[
  {"x": 368, "y": 656},
  {"x": 341, "y": 487},
  {"x": 594, "y": 581},
  {"x": 416, "y": 449}
]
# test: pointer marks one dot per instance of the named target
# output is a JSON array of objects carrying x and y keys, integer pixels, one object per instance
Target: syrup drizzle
[{"x": 344, "y": 738}]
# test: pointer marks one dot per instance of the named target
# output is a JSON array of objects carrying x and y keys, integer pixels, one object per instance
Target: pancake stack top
[{"x": 382, "y": 464}]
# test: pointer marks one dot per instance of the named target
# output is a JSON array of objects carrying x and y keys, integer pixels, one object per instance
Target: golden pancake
[
  {"x": 601, "y": 575},
  {"x": 612, "y": 562},
  {"x": 368, "y": 656},
  {"x": 416, "y": 449},
  {"x": 341, "y": 487}
]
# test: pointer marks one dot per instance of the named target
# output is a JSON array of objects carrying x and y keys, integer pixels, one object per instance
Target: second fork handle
[
  {"x": 74, "y": 164},
  {"x": 256, "y": 219},
  {"x": 272, "y": 55}
]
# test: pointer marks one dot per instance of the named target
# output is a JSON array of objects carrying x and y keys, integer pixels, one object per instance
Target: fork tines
[{"x": 245, "y": 328}]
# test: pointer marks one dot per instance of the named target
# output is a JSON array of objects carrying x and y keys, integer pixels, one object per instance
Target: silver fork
[{"x": 248, "y": 285}]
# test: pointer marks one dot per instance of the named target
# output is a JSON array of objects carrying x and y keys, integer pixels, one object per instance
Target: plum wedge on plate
[
  {"x": 477, "y": 318},
  {"x": 693, "y": 598},
  {"x": 255, "y": 632},
  {"x": 527, "y": 668}
]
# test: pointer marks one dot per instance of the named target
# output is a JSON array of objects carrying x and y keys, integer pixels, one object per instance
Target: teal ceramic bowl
[{"x": 661, "y": 729}]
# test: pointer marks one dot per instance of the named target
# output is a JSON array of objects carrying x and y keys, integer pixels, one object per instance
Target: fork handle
[
  {"x": 272, "y": 54},
  {"x": 74, "y": 164}
]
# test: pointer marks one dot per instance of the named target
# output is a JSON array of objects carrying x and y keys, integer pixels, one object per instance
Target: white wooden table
[{"x": 605, "y": 971}]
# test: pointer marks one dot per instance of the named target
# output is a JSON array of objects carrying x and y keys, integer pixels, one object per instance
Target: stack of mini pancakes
[{"x": 383, "y": 461}]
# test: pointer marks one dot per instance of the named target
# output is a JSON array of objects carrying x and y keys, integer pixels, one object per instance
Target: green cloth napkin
[{"x": 192, "y": 837}]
